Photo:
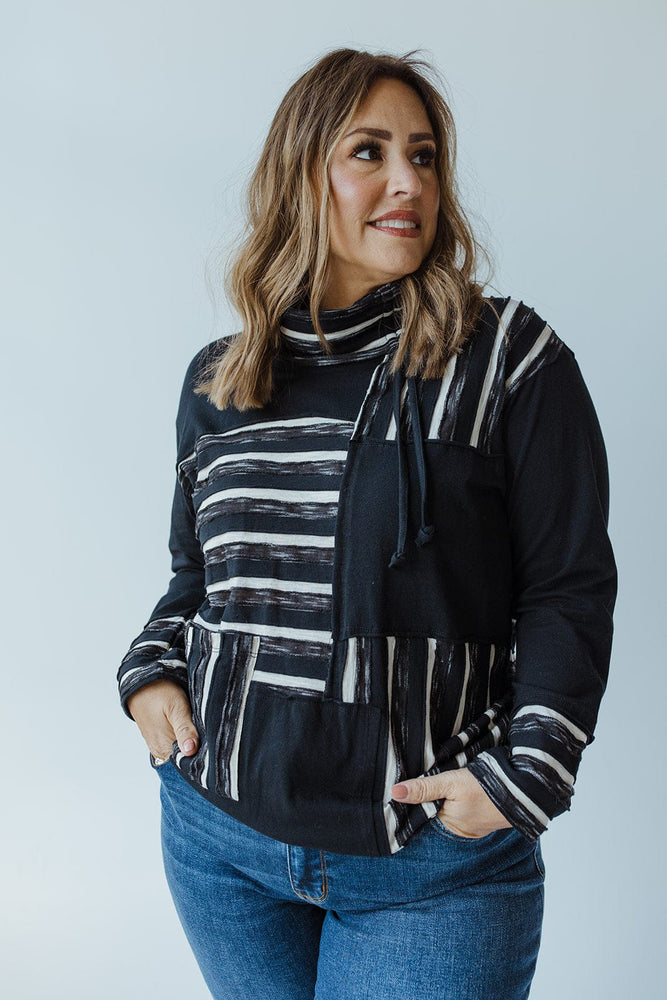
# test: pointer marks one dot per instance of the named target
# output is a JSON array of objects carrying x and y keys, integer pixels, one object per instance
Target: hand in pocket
[
  {"x": 467, "y": 810},
  {"x": 162, "y": 711}
]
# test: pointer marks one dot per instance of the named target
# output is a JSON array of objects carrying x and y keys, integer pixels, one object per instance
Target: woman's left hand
[{"x": 467, "y": 809}]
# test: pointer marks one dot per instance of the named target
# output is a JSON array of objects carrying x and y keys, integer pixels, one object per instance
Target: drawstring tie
[{"x": 426, "y": 531}]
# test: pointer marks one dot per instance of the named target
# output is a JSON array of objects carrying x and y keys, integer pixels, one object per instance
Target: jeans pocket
[
  {"x": 444, "y": 831},
  {"x": 539, "y": 860}
]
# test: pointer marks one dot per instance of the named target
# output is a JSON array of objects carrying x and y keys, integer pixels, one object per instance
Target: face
[{"x": 384, "y": 194}]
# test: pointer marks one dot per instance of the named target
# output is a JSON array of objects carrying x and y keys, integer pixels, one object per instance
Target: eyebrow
[{"x": 381, "y": 133}]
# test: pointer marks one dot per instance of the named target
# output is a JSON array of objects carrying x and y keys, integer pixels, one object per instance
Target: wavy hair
[{"x": 283, "y": 257}]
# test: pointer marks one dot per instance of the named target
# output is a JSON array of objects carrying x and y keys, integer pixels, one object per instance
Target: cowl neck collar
[{"x": 364, "y": 329}]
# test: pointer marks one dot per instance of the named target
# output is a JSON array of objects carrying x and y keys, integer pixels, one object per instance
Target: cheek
[{"x": 352, "y": 200}]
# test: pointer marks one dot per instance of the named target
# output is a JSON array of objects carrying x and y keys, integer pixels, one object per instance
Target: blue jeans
[{"x": 447, "y": 917}]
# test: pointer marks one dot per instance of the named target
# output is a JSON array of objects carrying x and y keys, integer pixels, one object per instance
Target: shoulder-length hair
[{"x": 284, "y": 255}]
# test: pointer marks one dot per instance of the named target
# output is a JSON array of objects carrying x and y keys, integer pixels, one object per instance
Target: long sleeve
[
  {"x": 159, "y": 651},
  {"x": 564, "y": 591}
]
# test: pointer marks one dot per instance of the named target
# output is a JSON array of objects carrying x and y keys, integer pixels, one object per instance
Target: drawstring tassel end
[
  {"x": 397, "y": 560},
  {"x": 426, "y": 533}
]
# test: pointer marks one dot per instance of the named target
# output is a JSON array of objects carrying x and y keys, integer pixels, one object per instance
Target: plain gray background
[{"x": 128, "y": 130}]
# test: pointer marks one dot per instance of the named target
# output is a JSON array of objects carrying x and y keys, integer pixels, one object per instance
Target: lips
[
  {"x": 399, "y": 215},
  {"x": 398, "y": 223}
]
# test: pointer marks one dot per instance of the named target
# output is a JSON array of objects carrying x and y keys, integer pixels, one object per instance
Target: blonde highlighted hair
[{"x": 283, "y": 258}]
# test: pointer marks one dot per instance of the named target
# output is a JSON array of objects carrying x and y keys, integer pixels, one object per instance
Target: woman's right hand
[{"x": 162, "y": 711}]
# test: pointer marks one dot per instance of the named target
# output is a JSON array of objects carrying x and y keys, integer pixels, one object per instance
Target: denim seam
[
  {"x": 325, "y": 883},
  {"x": 541, "y": 871}
]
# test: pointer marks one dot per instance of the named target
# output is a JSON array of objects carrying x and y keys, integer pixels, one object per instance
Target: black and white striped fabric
[{"x": 251, "y": 609}]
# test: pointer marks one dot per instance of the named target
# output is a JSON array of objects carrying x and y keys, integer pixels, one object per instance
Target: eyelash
[{"x": 428, "y": 151}]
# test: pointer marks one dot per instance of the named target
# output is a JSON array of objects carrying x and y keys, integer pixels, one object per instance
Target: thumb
[
  {"x": 179, "y": 716},
  {"x": 429, "y": 789}
]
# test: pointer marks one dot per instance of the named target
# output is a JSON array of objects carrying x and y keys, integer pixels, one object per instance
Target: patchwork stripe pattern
[
  {"x": 264, "y": 499},
  {"x": 265, "y": 506},
  {"x": 465, "y": 404},
  {"x": 445, "y": 701},
  {"x": 450, "y": 712}
]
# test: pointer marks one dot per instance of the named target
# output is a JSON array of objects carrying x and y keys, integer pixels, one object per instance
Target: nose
[{"x": 403, "y": 178}]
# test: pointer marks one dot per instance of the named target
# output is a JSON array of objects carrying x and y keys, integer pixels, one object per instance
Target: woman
[{"x": 382, "y": 652}]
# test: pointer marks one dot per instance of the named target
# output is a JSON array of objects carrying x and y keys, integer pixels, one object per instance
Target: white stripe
[
  {"x": 458, "y": 724},
  {"x": 216, "y": 639},
  {"x": 430, "y": 809},
  {"x": 312, "y": 338},
  {"x": 391, "y": 429},
  {"x": 370, "y": 392},
  {"x": 149, "y": 666},
  {"x": 492, "y": 366},
  {"x": 350, "y": 670},
  {"x": 374, "y": 345},
  {"x": 188, "y": 640},
  {"x": 429, "y": 756},
  {"x": 285, "y": 457},
  {"x": 391, "y": 774},
  {"x": 180, "y": 466},
  {"x": 130, "y": 673},
  {"x": 151, "y": 642},
  {"x": 514, "y": 789},
  {"x": 268, "y": 538},
  {"x": 287, "y": 680},
  {"x": 269, "y": 583},
  {"x": 256, "y": 493},
  {"x": 266, "y": 425},
  {"x": 494, "y": 730},
  {"x": 492, "y": 660},
  {"x": 535, "y": 350},
  {"x": 547, "y": 759},
  {"x": 234, "y": 757},
  {"x": 551, "y": 713},
  {"x": 205, "y": 767},
  {"x": 497, "y": 734},
  {"x": 281, "y": 631},
  {"x": 445, "y": 383}
]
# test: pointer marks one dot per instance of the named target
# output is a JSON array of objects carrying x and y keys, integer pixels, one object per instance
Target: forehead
[{"x": 390, "y": 99}]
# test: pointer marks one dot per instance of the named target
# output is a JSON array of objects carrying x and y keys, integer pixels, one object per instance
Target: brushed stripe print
[
  {"x": 303, "y": 504},
  {"x": 324, "y": 462},
  {"x": 447, "y": 670},
  {"x": 528, "y": 817},
  {"x": 313, "y": 339},
  {"x": 257, "y": 510},
  {"x": 239, "y": 672},
  {"x": 392, "y": 773},
  {"x": 491, "y": 393}
]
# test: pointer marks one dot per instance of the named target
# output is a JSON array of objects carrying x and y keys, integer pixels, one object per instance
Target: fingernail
[
  {"x": 188, "y": 746},
  {"x": 400, "y": 792}
]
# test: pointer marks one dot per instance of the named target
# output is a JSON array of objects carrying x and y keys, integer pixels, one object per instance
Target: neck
[{"x": 342, "y": 295}]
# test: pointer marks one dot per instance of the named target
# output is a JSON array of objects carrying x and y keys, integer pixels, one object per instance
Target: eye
[
  {"x": 366, "y": 147},
  {"x": 424, "y": 156},
  {"x": 427, "y": 154}
]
